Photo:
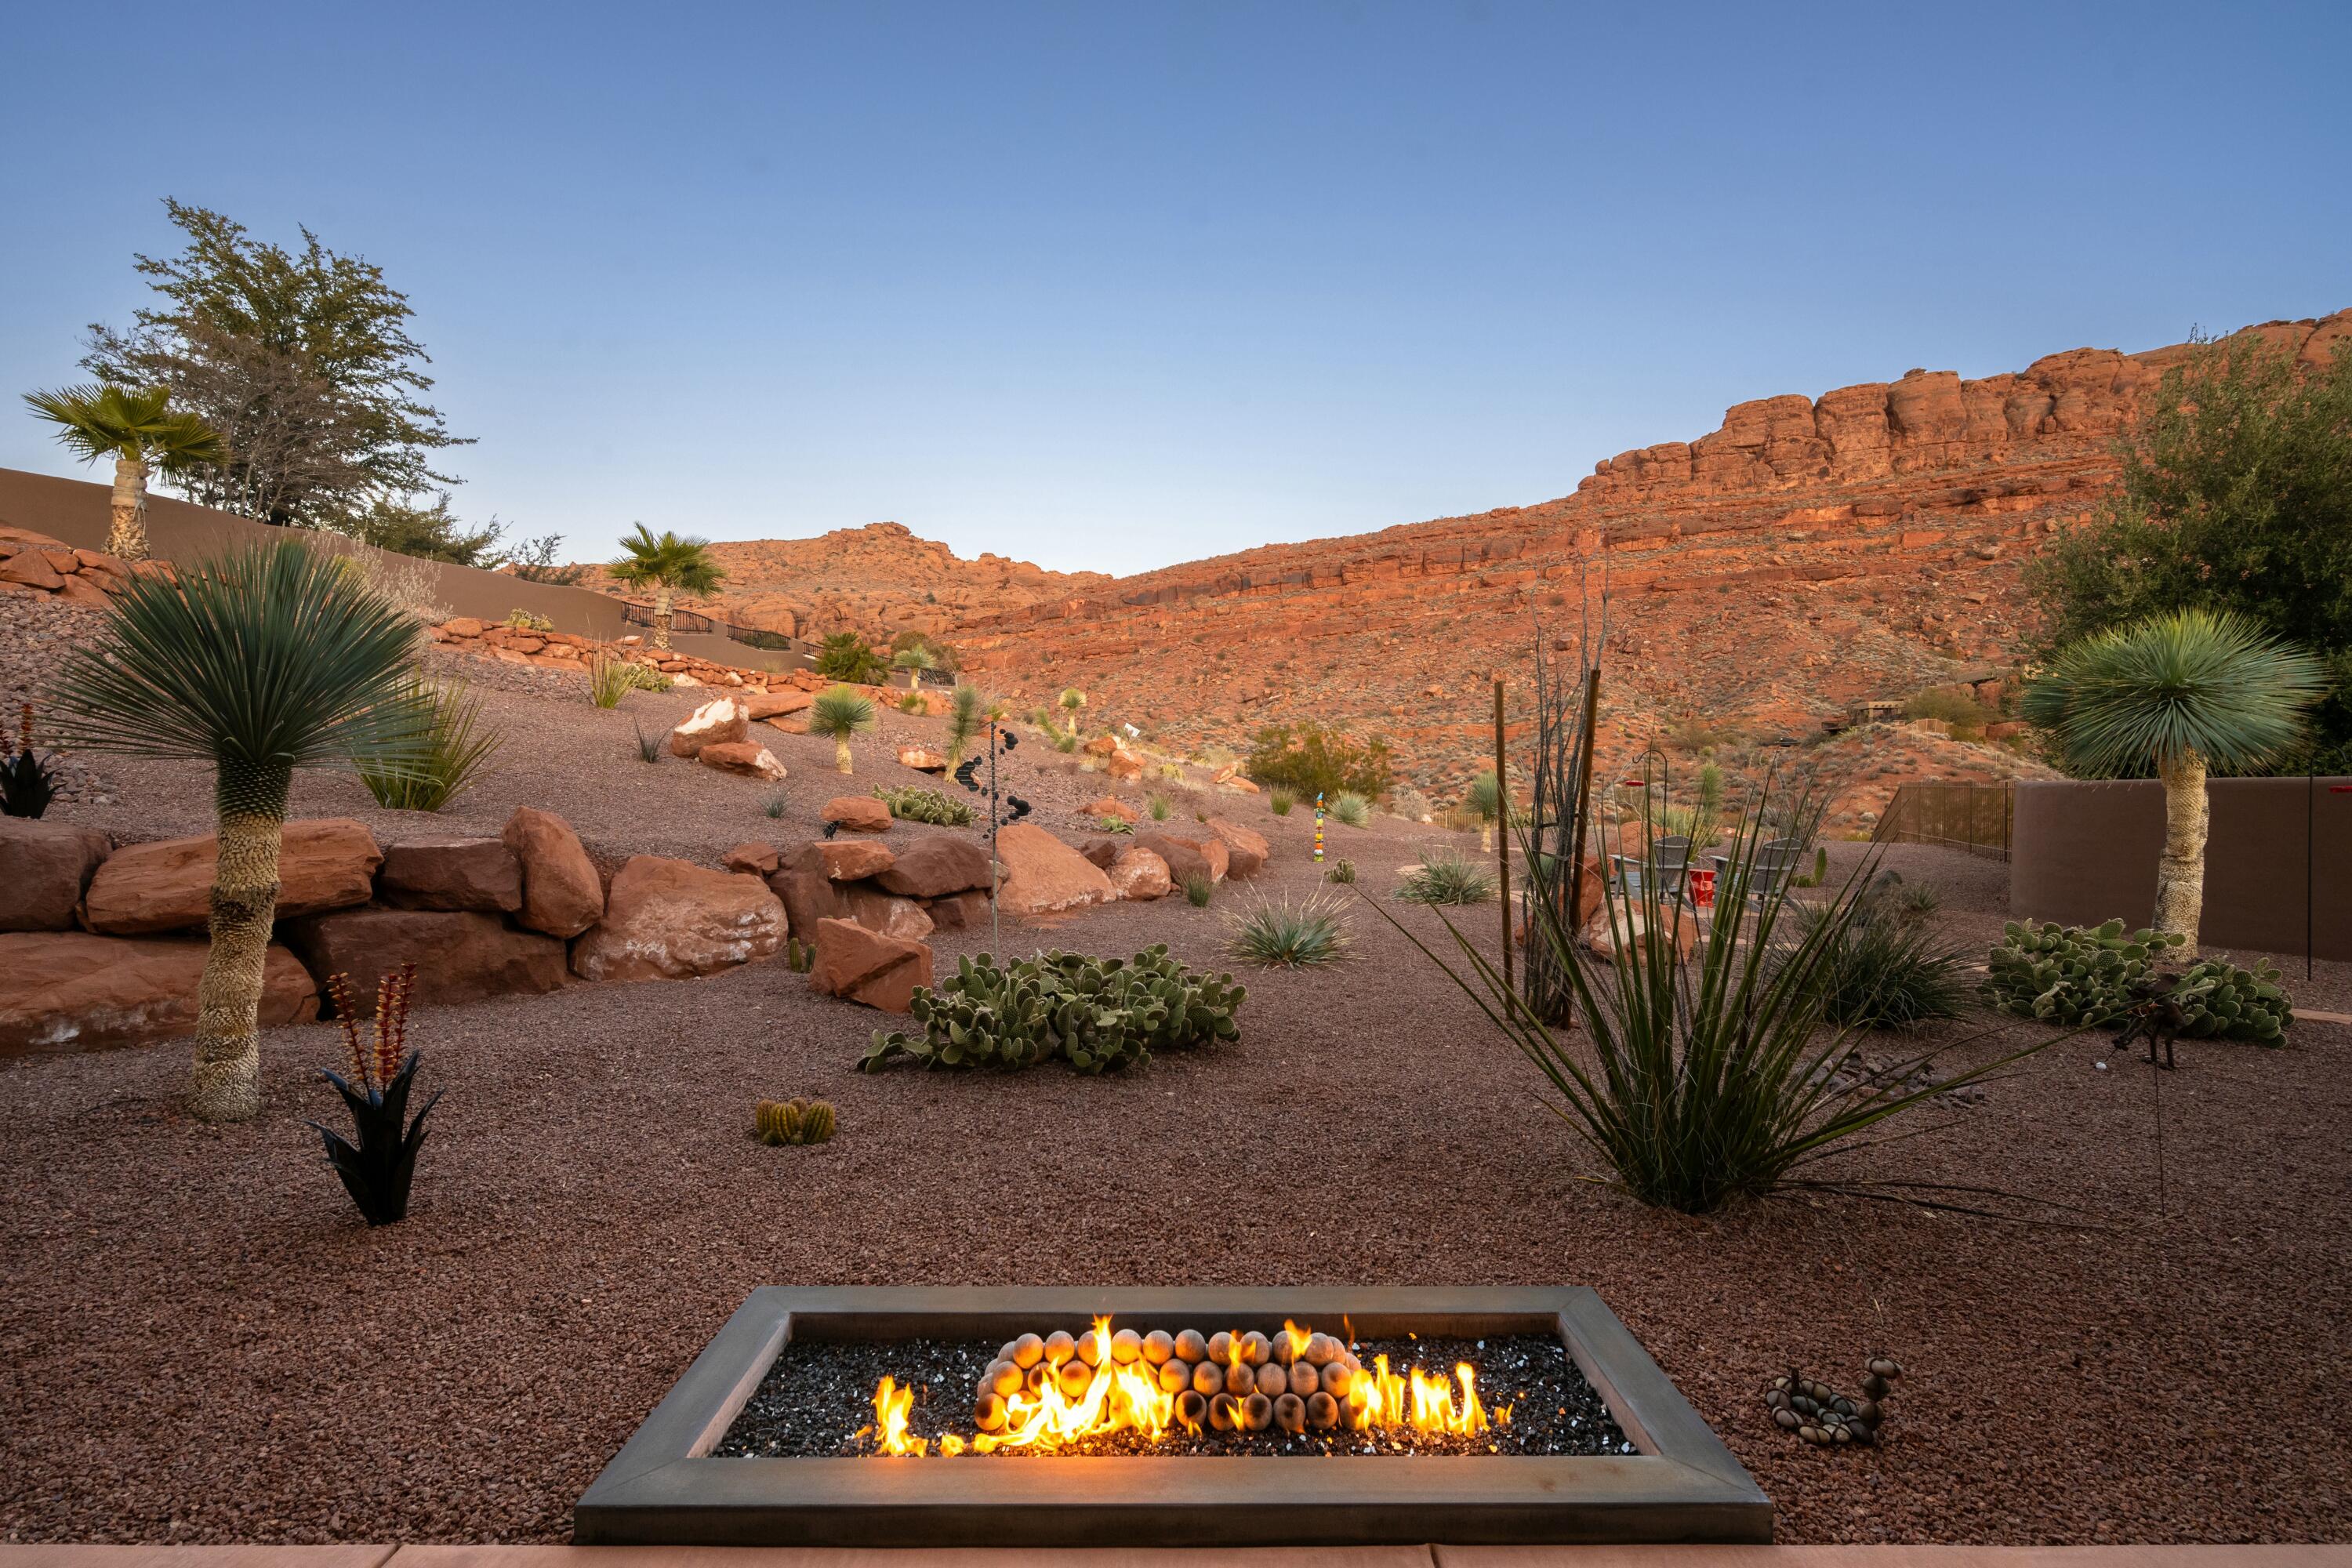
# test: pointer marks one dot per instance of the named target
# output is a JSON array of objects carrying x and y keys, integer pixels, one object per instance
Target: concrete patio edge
[{"x": 1704, "y": 1556}]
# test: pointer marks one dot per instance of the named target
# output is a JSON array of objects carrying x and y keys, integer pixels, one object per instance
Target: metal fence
[
  {"x": 687, "y": 621},
  {"x": 1977, "y": 817}
]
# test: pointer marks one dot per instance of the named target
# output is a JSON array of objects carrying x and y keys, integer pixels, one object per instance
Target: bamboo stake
[{"x": 1503, "y": 833}]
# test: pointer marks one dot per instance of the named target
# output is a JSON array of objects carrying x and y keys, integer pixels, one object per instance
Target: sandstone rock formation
[
  {"x": 856, "y": 814},
  {"x": 1136, "y": 873},
  {"x": 70, "y": 991},
  {"x": 935, "y": 866},
  {"x": 668, "y": 919},
  {"x": 460, "y": 955},
  {"x": 868, "y": 966},
  {"x": 1043, "y": 876},
  {"x": 45, "y": 867},
  {"x": 480, "y": 874},
  {"x": 561, "y": 894},
  {"x": 716, "y": 723},
  {"x": 747, "y": 758},
  {"x": 325, "y": 863}
]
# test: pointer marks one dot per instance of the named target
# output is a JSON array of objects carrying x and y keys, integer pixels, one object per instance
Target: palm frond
[
  {"x": 667, "y": 560},
  {"x": 270, "y": 659},
  {"x": 2139, "y": 699},
  {"x": 840, "y": 712}
]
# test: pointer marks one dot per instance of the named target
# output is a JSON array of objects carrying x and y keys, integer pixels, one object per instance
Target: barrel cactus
[{"x": 794, "y": 1121}]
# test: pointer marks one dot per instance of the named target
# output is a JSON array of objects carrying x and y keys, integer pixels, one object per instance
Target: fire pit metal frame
[{"x": 664, "y": 1489}]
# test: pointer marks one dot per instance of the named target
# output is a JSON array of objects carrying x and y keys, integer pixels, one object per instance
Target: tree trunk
[
  {"x": 126, "y": 539},
  {"x": 661, "y": 617},
  {"x": 841, "y": 754},
  {"x": 2180, "y": 869},
  {"x": 226, "y": 1085}
]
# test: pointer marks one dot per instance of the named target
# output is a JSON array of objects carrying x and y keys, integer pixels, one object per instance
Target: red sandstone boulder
[
  {"x": 856, "y": 814},
  {"x": 1182, "y": 857},
  {"x": 810, "y": 895},
  {"x": 853, "y": 859},
  {"x": 1246, "y": 851},
  {"x": 327, "y": 863},
  {"x": 1123, "y": 764},
  {"x": 1102, "y": 851},
  {"x": 752, "y": 857},
  {"x": 745, "y": 757},
  {"x": 667, "y": 920},
  {"x": 455, "y": 874},
  {"x": 716, "y": 723},
  {"x": 1111, "y": 806},
  {"x": 935, "y": 866},
  {"x": 921, "y": 761},
  {"x": 45, "y": 869},
  {"x": 460, "y": 955},
  {"x": 868, "y": 966},
  {"x": 1139, "y": 874},
  {"x": 70, "y": 991},
  {"x": 958, "y": 912},
  {"x": 762, "y": 705},
  {"x": 1043, "y": 876},
  {"x": 561, "y": 894},
  {"x": 905, "y": 918},
  {"x": 1601, "y": 936}
]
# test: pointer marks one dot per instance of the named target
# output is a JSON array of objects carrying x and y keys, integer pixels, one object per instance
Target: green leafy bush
[
  {"x": 454, "y": 747},
  {"x": 1447, "y": 877},
  {"x": 2078, "y": 974},
  {"x": 1287, "y": 935},
  {"x": 523, "y": 620},
  {"x": 1099, "y": 1015},
  {"x": 846, "y": 656},
  {"x": 1312, "y": 758},
  {"x": 911, "y": 803},
  {"x": 1957, "y": 708},
  {"x": 1352, "y": 810},
  {"x": 1107, "y": 824}
]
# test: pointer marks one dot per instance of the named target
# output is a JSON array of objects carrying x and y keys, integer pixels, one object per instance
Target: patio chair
[
  {"x": 1776, "y": 861},
  {"x": 1668, "y": 860}
]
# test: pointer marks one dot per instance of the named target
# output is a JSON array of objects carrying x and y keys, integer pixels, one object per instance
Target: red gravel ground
[{"x": 200, "y": 1342}]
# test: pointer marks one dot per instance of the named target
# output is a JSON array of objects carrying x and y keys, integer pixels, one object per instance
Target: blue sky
[{"x": 1110, "y": 286}]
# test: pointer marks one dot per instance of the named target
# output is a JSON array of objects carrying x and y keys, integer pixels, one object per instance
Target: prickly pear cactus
[
  {"x": 2072, "y": 976},
  {"x": 1099, "y": 1015},
  {"x": 2222, "y": 1002}
]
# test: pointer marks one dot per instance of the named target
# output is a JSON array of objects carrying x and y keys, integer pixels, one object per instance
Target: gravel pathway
[{"x": 200, "y": 1342}]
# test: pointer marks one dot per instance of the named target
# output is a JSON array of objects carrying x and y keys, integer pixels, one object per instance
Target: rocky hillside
[
  {"x": 879, "y": 581},
  {"x": 1809, "y": 554}
]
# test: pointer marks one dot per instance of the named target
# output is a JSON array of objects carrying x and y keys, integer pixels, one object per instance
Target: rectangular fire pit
[{"x": 671, "y": 1484}]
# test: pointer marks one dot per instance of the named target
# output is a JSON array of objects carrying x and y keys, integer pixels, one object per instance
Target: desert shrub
[
  {"x": 776, "y": 1123},
  {"x": 453, "y": 748},
  {"x": 1198, "y": 890},
  {"x": 1959, "y": 708},
  {"x": 1411, "y": 805},
  {"x": 911, "y": 803},
  {"x": 1314, "y": 759},
  {"x": 847, "y": 657},
  {"x": 1881, "y": 972},
  {"x": 649, "y": 747},
  {"x": 1065, "y": 743},
  {"x": 28, "y": 780},
  {"x": 1159, "y": 807},
  {"x": 1109, "y": 824},
  {"x": 943, "y": 656},
  {"x": 1099, "y": 1015},
  {"x": 1915, "y": 901},
  {"x": 1447, "y": 877},
  {"x": 912, "y": 702},
  {"x": 1168, "y": 772},
  {"x": 1280, "y": 801},
  {"x": 1342, "y": 872},
  {"x": 378, "y": 1170},
  {"x": 1287, "y": 935},
  {"x": 610, "y": 680},
  {"x": 1352, "y": 810},
  {"x": 523, "y": 620},
  {"x": 2073, "y": 975},
  {"x": 778, "y": 805}
]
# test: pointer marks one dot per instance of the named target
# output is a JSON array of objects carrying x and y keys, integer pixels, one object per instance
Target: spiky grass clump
[
  {"x": 1351, "y": 808},
  {"x": 1065, "y": 743},
  {"x": 609, "y": 680},
  {"x": 1343, "y": 872},
  {"x": 1280, "y": 801},
  {"x": 1199, "y": 890},
  {"x": 1880, "y": 970},
  {"x": 1159, "y": 807},
  {"x": 913, "y": 702},
  {"x": 1447, "y": 877},
  {"x": 649, "y": 747},
  {"x": 967, "y": 714},
  {"x": 452, "y": 750},
  {"x": 778, "y": 804},
  {"x": 1287, "y": 935}
]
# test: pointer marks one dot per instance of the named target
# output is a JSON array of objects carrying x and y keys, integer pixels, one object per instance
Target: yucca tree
[
  {"x": 838, "y": 713},
  {"x": 668, "y": 564},
  {"x": 1072, "y": 699},
  {"x": 258, "y": 663},
  {"x": 138, "y": 429},
  {"x": 1486, "y": 803},
  {"x": 915, "y": 661},
  {"x": 968, "y": 713},
  {"x": 2174, "y": 695}
]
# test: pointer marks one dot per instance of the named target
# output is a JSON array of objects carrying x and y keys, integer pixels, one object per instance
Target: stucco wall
[
  {"x": 75, "y": 511},
  {"x": 2083, "y": 853}
]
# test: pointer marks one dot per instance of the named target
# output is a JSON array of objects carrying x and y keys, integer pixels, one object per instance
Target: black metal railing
[
  {"x": 1977, "y": 817},
  {"x": 707, "y": 626}
]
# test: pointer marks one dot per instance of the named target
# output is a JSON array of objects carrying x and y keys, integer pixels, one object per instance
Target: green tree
[
  {"x": 668, "y": 564},
  {"x": 2237, "y": 495},
  {"x": 428, "y": 533},
  {"x": 303, "y": 361},
  {"x": 915, "y": 661},
  {"x": 2174, "y": 696},
  {"x": 257, "y": 663},
  {"x": 139, "y": 429},
  {"x": 838, "y": 713},
  {"x": 943, "y": 655},
  {"x": 1313, "y": 758},
  {"x": 846, "y": 656}
]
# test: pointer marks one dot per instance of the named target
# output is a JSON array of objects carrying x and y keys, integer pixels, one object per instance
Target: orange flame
[{"x": 891, "y": 1406}]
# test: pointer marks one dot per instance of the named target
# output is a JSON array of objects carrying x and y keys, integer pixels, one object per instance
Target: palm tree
[
  {"x": 138, "y": 428},
  {"x": 967, "y": 713},
  {"x": 839, "y": 712},
  {"x": 2173, "y": 695},
  {"x": 260, "y": 663},
  {"x": 915, "y": 661},
  {"x": 1072, "y": 699},
  {"x": 668, "y": 566}
]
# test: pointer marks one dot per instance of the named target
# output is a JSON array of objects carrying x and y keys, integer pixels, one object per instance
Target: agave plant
[
  {"x": 377, "y": 1170},
  {"x": 838, "y": 713},
  {"x": 257, "y": 663},
  {"x": 1285, "y": 935},
  {"x": 2175, "y": 695},
  {"x": 453, "y": 748}
]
